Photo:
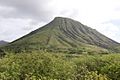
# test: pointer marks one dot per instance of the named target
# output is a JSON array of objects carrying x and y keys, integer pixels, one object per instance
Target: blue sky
[{"x": 19, "y": 17}]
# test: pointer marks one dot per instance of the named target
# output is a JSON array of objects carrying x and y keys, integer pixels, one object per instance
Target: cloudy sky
[{"x": 19, "y": 17}]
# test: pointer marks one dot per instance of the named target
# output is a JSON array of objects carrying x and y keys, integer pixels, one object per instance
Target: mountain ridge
[
  {"x": 2, "y": 43},
  {"x": 64, "y": 32}
]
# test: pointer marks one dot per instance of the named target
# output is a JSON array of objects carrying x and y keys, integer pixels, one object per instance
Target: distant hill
[
  {"x": 65, "y": 34},
  {"x": 3, "y": 43}
]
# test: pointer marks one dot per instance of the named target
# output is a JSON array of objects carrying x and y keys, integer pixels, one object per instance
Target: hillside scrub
[{"x": 59, "y": 66}]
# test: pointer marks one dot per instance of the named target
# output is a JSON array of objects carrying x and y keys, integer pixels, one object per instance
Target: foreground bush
[{"x": 51, "y": 66}]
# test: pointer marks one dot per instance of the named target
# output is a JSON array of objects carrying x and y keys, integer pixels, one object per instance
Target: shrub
[{"x": 57, "y": 66}]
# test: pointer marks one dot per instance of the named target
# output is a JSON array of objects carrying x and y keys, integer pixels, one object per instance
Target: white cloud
[
  {"x": 89, "y": 11},
  {"x": 12, "y": 29},
  {"x": 110, "y": 30}
]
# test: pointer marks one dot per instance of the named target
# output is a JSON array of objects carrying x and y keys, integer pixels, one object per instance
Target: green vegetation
[
  {"x": 64, "y": 49},
  {"x": 64, "y": 33},
  {"x": 59, "y": 66}
]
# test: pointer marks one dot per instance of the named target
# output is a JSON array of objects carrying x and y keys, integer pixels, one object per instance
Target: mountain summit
[{"x": 64, "y": 33}]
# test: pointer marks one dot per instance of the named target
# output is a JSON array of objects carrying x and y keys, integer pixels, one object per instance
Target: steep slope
[{"x": 64, "y": 33}]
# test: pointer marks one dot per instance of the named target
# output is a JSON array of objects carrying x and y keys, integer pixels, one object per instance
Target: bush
[
  {"x": 58, "y": 66},
  {"x": 35, "y": 65}
]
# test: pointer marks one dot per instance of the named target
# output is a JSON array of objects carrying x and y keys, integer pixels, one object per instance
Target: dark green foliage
[
  {"x": 53, "y": 66},
  {"x": 2, "y": 53}
]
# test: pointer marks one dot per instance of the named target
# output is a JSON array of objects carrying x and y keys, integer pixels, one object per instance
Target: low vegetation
[{"x": 58, "y": 66}]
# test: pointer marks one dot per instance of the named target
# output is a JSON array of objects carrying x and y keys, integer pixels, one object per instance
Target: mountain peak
[
  {"x": 59, "y": 17},
  {"x": 62, "y": 18},
  {"x": 65, "y": 33}
]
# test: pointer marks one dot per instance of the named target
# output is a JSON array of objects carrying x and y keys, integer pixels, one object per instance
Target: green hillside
[{"x": 64, "y": 34}]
